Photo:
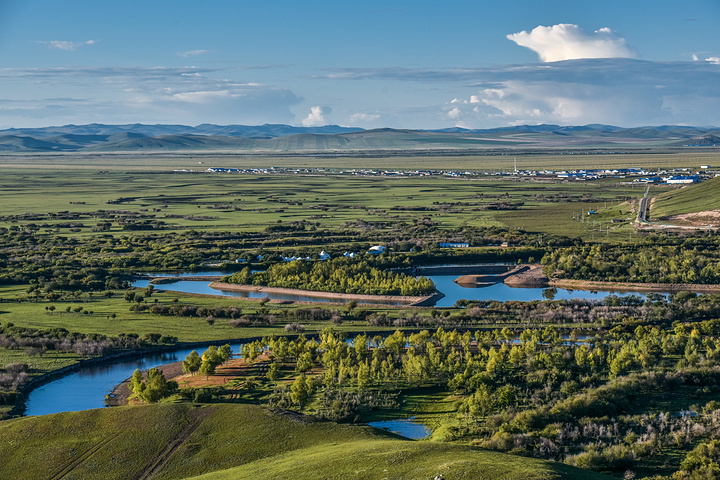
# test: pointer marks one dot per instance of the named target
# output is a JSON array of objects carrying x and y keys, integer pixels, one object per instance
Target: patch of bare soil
[
  {"x": 709, "y": 218},
  {"x": 532, "y": 277}
]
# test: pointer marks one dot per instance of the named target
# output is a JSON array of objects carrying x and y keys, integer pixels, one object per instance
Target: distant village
[{"x": 635, "y": 175}]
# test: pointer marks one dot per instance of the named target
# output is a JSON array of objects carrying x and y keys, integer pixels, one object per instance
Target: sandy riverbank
[
  {"x": 640, "y": 287},
  {"x": 340, "y": 297}
]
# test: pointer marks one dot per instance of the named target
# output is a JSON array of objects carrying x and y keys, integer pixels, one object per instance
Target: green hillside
[
  {"x": 694, "y": 198},
  {"x": 178, "y": 441}
]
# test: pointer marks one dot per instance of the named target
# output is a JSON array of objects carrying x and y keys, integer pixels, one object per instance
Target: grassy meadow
[
  {"x": 177, "y": 441},
  {"x": 495, "y": 161},
  {"x": 678, "y": 201},
  {"x": 85, "y": 202},
  {"x": 84, "y": 197}
]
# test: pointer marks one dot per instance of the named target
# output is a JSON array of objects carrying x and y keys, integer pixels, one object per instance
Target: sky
[{"x": 400, "y": 64}]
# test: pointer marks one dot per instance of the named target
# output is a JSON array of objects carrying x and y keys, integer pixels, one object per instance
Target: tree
[
  {"x": 192, "y": 363},
  {"x": 274, "y": 372},
  {"x": 225, "y": 353},
  {"x": 153, "y": 388},
  {"x": 207, "y": 368},
  {"x": 301, "y": 389},
  {"x": 136, "y": 383}
]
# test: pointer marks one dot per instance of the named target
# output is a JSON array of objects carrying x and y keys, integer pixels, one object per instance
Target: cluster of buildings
[
  {"x": 677, "y": 176},
  {"x": 323, "y": 255}
]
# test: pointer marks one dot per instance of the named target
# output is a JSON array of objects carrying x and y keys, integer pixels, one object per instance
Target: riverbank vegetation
[
  {"x": 654, "y": 259},
  {"x": 632, "y": 399}
]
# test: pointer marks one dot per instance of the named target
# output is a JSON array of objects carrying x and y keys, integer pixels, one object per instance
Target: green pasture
[
  {"x": 85, "y": 203},
  {"x": 501, "y": 160},
  {"x": 687, "y": 199},
  {"x": 221, "y": 441}
]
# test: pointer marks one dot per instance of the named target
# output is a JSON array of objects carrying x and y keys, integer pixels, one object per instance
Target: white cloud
[
  {"x": 715, "y": 60},
  {"x": 454, "y": 114},
  {"x": 67, "y": 45},
  {"x": 193, "y": 53},
  {"x": 567, "y": 42},
  {"x": 316, "y": 117},
  {"x": 616, "y": 91},
  {"x": 363, "y": 118}
]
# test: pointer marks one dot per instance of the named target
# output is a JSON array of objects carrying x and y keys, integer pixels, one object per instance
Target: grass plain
[
  {"x": 699, "y": 198},
  {"x": 177, "y": 441},
  {"x": 246, "y": 202},
  {"x": 247, "y": 441}
]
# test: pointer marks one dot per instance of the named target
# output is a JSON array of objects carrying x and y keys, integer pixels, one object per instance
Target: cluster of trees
[
  {"x": 209, "y": 361},
  {"x": 58, "y": 258},
  {"x": 153, "y": 387},
  {"x": 39, "y": 341},
  {"x": 187, "y": 310},
  {"x": 533, "y": 392},
  {"x": 341, "y": 275},
  {"x": 656, "y": 259}
]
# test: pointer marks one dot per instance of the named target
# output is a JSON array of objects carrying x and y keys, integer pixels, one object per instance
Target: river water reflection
[
  {"x": 87, "y": 387},
  {"x": 444, "y": 283}
]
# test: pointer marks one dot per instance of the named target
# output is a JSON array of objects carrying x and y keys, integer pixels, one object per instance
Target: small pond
[{"x": 408, "y": 428}]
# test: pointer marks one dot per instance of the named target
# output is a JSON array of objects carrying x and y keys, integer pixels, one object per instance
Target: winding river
[{"x": 87, "y": 386}]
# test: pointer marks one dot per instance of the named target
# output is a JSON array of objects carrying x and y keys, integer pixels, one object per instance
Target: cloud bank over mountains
[{"x": 582, "y": 77}]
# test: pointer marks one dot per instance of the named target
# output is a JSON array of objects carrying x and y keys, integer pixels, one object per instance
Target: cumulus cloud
[
  {"x": 613, "y": 91},
  {"x": 67, "y": 45},
  {"x": 567, "y": 42},
  {"x": 617, "y": 91},
  {"x": 454, "y": 113},
  {"x": 316, "y": 117}
]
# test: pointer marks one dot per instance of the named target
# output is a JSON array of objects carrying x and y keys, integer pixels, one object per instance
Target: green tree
[
  {"x": 274, "y": 372},
  {"x": 136, "y": 383},
  {"x": 207, "y": 368},
  {"x": 225, "y": 353},
  {"x": 301, "y": 389},
  {"x": 192, "y": 363}
]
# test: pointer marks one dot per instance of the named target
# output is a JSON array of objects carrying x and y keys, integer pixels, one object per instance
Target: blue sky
[{"x": 403, "y": 64}]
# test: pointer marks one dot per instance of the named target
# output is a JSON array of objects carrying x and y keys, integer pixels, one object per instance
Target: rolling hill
[
  {"x": 334, "y": 139},
  {"x": 691, "y": 199},
  {"x": 230, "y": 441}
]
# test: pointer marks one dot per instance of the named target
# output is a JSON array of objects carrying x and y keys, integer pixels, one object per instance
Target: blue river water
[
  {"x": 443, "y": 283},
  {"x": 87, "y": 387}
]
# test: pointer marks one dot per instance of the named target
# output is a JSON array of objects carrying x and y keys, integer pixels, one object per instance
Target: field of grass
[
  {"x": 176, "y": 441},
  {"x": 492, "y": 162},
  {"x": 75, "y": 203},
  {"x": 688, "y": 199}
]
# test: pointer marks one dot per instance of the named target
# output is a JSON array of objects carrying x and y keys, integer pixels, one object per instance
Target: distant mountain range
[{"x": 272, "y": 138}]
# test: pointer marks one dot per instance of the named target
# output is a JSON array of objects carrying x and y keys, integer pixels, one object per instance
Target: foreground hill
[
  {"x": 226, "y": 441},
  {"x": 332, "y": 138},
  {"x": 699, "y": 199}
]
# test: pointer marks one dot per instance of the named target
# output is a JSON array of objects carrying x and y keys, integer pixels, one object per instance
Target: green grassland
[
  {"x": 500, "y": 160},
  {"x": 688, "y": 199},
  {"x": 86, "y": 203},
  {"x": 176, "y": 441}
]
